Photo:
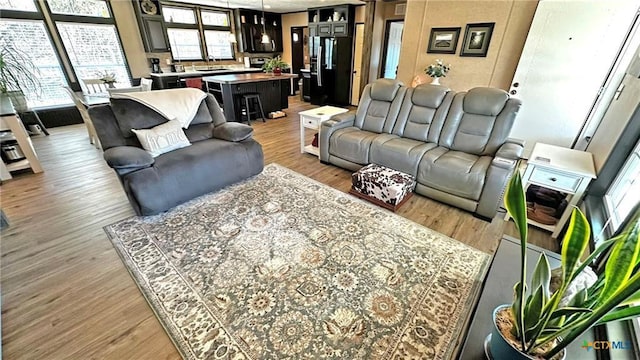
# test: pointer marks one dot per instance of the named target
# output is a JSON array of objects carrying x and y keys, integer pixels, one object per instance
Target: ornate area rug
[{"x": 283, "y": 267}]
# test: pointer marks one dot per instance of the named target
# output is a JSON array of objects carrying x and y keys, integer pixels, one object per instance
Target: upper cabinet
[
  {"x": 252, "y": 27},
  {"x": 333, "y": 21},
  {"x": 151, "y": 25}
]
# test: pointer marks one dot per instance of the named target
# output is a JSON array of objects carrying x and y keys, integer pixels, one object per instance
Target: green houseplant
[
  {"x": 540, "y": 326},
  {"x": 17, "y": 73},
  {"x": 437, "y": 70},
  {"x": 275, "y": 65}
]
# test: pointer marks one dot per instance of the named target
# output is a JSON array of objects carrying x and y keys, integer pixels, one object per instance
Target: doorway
[
  {"x": 391, "y": 50},
  {"x": 297, "y": 49},
  {"x": 357, "y": 65}
]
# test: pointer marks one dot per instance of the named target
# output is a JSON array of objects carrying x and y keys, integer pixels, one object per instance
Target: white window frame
[{"x": 616, "y": 219}]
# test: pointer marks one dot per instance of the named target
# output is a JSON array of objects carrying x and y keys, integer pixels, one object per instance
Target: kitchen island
[
  {"x": 228, "y": 90},
  {"x": 168, "y": 80}
]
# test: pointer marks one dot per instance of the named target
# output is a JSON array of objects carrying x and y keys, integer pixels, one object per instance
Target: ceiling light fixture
[
  {"x": 265, "y": 37},
  {"x": 232, "y": 36}
]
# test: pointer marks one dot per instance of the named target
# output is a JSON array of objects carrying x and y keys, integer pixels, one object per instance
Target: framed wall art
[
  {"x": 476, "y": 39},
  {"x": 443, "y": 40}
]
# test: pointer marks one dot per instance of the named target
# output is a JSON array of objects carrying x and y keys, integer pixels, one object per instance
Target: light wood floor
[{"x": 65, "y": 292}]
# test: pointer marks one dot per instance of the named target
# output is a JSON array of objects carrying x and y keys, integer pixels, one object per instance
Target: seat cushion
[
  {"x": 454, "y": 172},
  {"x": 351, "y": 144},
  {"x": 398, "y": 153}
]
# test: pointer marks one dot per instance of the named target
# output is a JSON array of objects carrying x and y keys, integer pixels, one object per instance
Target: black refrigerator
[{"x": 331, "y": 69}]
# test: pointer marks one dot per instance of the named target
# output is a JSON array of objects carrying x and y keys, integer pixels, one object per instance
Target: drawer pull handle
[{"x": 553, "y": 179}]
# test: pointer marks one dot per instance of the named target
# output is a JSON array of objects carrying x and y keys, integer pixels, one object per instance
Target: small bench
[{"x": 382, "y": 186}]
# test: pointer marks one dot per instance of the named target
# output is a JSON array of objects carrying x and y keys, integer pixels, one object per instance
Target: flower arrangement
[
  {"x": 438, "y": 69},
  {"x": 275, "y": 64},
  {"x": 107, "y": 77}
]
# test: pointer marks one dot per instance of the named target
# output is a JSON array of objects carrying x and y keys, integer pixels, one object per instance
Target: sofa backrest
[
  {"x": 379, "y": 105},
  {"x": 114, "y": 122},
  {"x": 423, "y": 112},
  {"x": 479, "y": 121}
]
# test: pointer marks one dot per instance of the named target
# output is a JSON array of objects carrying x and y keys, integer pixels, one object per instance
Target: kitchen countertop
[
  {"x": 246, "y": 78},
  {"x": 205, "y": 72}
]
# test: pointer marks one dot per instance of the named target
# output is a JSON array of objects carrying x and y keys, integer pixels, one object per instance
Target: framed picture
[
  {"x": 476, "y": 39},
  {"x": 443, "y": 40}
]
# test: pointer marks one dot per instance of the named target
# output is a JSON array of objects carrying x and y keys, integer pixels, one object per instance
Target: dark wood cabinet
[
  {"x": 151, "y": 25},
  {"x": 251, "y": 28},
  {"x": 335, "y": 21}
]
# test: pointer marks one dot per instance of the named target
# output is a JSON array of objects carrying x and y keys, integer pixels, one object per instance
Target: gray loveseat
[
  {"x": 456, "y": 145},
  {"x": 220, "y": 154}
]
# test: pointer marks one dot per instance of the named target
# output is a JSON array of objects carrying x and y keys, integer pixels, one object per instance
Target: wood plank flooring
[{"x": 65, "y": 292}]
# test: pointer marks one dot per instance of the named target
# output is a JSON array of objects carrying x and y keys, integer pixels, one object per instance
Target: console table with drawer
[{"x": 566, "y": 170}]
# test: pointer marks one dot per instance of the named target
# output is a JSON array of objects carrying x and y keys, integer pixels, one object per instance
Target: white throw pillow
[{"x": 162, "y": 138}]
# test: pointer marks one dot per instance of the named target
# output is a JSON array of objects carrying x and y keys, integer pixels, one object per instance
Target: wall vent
[{"x": 400, "y": 9}]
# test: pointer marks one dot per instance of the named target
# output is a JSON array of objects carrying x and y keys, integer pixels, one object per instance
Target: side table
[
  {"x": 566, "y": 170},
  {"x": 311, "y": 119}
]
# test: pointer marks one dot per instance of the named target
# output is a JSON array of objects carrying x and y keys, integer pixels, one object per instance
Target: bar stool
[{"x": 249, "y": 100}]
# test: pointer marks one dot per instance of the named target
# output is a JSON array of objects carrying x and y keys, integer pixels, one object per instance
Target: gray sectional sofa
[
  {"x": 220, "y": 154},
  {"x": 455, "y": 144}
]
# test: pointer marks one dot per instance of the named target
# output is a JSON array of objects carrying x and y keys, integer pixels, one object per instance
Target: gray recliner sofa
[
  {"x": 456, "y": 145},
  {"x": 220, "y": 154}
]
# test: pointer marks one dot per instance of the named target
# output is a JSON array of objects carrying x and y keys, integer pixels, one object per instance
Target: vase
[
  {"x": 435, "y": 81},
  {"x": 499, "y": 348},
  {"x": 277, "y": 71}
]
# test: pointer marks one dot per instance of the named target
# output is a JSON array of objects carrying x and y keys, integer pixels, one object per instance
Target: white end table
[
  {"x": 311, "y": 119},
  {"x": 566, "y": 170}
]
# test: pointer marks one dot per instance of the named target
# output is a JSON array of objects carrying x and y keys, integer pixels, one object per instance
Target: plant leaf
[
  {"x": 566, "y": 311},
  {"x": 621, "y": 262},
  {"x": 515, "y": 309},
  {"x": 578, "y": 299},
  {"x": 574, "y": 244},
  {"x": 515, "y": 203},
  {"x": 620, "y": 314},
  {"x": 533, "y": 309},
  {"x": 635, "y": 298},
  {"x": 604, "y": 245},
  {"x": 542, "y": 276}
]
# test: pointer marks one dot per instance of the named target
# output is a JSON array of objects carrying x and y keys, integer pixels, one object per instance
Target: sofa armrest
[
  {"x": 123, "y": 158},
  {"x": 327, "y": 128},
  {"x": 341, "y": 120},
  {"x": 232, "y": 132},
  {"x": 508, "y": 154}
]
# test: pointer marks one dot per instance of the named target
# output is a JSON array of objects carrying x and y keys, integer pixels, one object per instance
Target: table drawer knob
[{"x": 553, "y": 179}]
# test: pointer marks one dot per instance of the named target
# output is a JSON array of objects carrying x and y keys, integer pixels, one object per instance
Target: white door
[
  {"x": 357, "y": 64},
  {"x": 569, "y": 51},
  {"x": 392, "y": 54}
]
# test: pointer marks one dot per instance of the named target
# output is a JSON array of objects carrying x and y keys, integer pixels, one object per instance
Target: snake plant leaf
[
  {"x": 533, "y": 309},
  {"x": 542, "y": 276},
  {"x": 515, "y": 309},
  {"x": 635, "y": 298},
  {"x": 515, "y": 203},
  {"x": 621, "y": 262},
  {"x": 621, "y": 314},
  {"x": 567, "y": 311},
  {"x": 604, "y": 246},
  {"x": 579, "y": 299},
  {"x": 574, "y": 244}
]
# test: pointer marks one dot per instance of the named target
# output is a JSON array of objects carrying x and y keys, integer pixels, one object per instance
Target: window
[
  {"x": 94, "y": 49},
  {"x": 185, "y": 44},
  {"x": 18, "y": 5},
  {"x": 624, "y": 192},
  {"x": 215, "y": 18},
  {"x": 178, "y": 15},
  {"x": 197, "y": 33},
  {"x": 30, "y": 36},
  {"x": 218, "y": 44},
  {"x": 97, "y": 8}
]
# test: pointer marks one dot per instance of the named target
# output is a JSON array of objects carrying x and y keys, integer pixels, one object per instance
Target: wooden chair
[
  {"x": 94, "y": 86},
  {"x": 93, "y": 137},
  {"x": 146, "y": 84}
]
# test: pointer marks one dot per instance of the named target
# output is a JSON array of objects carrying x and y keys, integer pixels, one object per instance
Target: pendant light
[
  {"x": 265, "y": 37},
  {"x": 232, "y": 37}
]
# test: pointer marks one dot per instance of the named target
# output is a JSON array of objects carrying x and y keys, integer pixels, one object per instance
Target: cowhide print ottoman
[{"x": 382, "y": 186}]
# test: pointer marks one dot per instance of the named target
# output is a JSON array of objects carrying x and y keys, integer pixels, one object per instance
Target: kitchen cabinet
[
  {"x": 151, "y": 25},
  {"x": 251, "y": 29},
  {"x": 335, "y": 21}
]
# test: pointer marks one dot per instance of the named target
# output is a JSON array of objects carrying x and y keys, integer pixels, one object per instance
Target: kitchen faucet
[{"x": 212, "y": 59}]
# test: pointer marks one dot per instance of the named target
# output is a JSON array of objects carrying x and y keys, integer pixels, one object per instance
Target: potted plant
[
  {"x": 275, "y": 65},
  {"x": 17, "y": 74},
  {"x": 437, "y": 70},
  {"x": 541, "y": 321},
  {"x": 108, "y": 78}
]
